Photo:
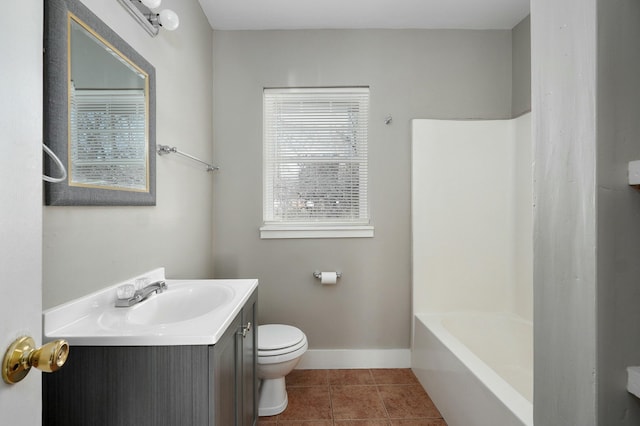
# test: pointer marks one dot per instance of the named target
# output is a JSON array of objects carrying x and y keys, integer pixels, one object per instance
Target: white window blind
[
  {"x": 315, "y": 157},
  {"x": 108, "y": 138}
]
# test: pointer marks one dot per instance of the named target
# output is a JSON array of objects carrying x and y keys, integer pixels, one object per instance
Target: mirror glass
[
  {"x": 108, "y": 141},
  {"x": 99, "y": 111}
]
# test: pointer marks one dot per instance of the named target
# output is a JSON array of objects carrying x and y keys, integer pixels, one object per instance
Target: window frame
[{"x": 274, "y": 229}]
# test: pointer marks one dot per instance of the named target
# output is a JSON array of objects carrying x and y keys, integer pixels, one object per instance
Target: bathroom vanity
[{"x": 142, "y": 366}]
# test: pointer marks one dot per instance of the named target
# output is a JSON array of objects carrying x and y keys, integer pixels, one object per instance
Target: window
[{"x": 315, "y": 163}]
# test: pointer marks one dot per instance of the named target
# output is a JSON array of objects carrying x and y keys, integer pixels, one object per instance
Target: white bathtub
[{"x": 477, "y": 367}]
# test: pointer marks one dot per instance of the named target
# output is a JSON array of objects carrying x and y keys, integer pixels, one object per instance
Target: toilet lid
[{"x": 274, "y": 337}]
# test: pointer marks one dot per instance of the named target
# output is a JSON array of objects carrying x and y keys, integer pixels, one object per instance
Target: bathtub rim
[{"x": 504, "y": 392}]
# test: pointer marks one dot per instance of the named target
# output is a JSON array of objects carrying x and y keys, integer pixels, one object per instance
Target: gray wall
[
  {"x": 564, "y": 87},
  {"x": 86, "y": 248},
  {"x": 412, "y": 74},
  {"x": 521, "y": 68},
  {"x": 618, "y": 209}
]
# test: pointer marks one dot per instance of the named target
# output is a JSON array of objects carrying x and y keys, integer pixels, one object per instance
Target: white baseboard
[{"x": 315, "y": 359}]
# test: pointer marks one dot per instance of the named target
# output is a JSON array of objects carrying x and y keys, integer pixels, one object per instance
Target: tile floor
[{"x": 362, "y": 397}]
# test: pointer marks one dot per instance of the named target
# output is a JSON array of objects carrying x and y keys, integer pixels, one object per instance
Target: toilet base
[{"x": 273, "y": 397}]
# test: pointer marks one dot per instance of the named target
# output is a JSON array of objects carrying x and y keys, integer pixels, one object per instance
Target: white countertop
[{"x": 81, "y": 322}]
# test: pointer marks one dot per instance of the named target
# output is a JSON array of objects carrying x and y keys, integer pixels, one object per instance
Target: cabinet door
[
  {"x": 233, "y": 372},
  {"x": 249, "y": 363},
  {"x": 224, "y": 380},
  {"x": 129, "y": 385}
]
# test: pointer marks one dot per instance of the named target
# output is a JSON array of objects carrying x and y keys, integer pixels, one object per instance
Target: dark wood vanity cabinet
[{"x": 159, "y": 385}]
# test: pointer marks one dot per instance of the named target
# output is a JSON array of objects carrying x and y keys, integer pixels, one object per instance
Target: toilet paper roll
[{"x": 328, "y": 277}]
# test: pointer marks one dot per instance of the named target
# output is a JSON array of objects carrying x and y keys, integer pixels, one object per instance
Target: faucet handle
[
  {"x": 125, "y": 291},
  {"x": 141, "y": 283}
]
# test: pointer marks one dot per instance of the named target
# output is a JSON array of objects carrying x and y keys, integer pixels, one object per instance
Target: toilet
[{"x": 280, "y": 347}]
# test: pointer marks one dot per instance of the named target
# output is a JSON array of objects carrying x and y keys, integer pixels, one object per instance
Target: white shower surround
[{"x": 472, "y": 255}]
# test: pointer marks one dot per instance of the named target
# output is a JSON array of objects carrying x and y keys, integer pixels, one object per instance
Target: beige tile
[
  {"x": 407, "y": 401},
  {"x": 307, "y": 378},
  {"x": 356, "y": 402},
  {"x": 356, "y": 397},
  {"x": 350, "y": 377},
  {"x": 394, "y": 376},
  {"x": 307, "y": 403}
]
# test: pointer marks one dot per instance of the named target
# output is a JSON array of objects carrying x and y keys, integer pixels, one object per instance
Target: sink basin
[
  {"x": 176, "y": 304},
  {"x": 180, "y": 304}
]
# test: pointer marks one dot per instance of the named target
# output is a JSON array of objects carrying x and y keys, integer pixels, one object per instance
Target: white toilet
[{"x": 279, "y": 350}]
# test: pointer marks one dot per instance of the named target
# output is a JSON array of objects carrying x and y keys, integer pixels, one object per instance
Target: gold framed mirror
[{"x": 99, "y": 111}]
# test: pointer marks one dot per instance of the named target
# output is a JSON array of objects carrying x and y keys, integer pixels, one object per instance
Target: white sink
[
  {"x": 181, "y": 304},
  {"x": 177, "y": 303},
  {"x": 188, "y": 312}
]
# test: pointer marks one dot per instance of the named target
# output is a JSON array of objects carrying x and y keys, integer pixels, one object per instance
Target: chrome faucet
[{"x": 142, "y": 294}]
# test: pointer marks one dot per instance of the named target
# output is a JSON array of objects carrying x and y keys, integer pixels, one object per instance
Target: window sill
[{"x": 338, "y": 231}]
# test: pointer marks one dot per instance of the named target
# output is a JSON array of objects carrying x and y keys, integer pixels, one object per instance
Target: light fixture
[
  {"x": 151, "y": 4},
  {"x": 151, "y": 21}
]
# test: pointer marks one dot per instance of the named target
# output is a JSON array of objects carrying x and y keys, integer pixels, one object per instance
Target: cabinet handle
[{"x": 246, "y": 329}]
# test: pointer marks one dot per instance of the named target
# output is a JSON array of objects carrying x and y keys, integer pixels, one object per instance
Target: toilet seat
[{"x": 279, "y": 339}]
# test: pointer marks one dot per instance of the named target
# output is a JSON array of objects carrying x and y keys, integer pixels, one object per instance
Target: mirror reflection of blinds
[
  {"x": 315, "y": 148},
  {"x": 108, "y": 138}
]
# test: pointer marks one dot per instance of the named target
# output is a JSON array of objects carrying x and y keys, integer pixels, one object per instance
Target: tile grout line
[
  {"x": 333, "y": 416},
  {"x": 384, "y": 406}
]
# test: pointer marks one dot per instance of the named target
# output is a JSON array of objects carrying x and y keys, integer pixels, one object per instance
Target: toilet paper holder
[{"x": 318, "y": 274}]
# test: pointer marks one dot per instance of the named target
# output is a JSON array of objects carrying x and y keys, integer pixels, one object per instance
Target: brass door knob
[{"x": 22, "y": 355}]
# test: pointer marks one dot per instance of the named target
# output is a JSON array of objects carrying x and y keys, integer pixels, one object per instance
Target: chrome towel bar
[{"x": 166, "y": 149}]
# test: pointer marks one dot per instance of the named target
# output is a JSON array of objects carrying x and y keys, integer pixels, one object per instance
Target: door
[{"x": 21, "y": 198}]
